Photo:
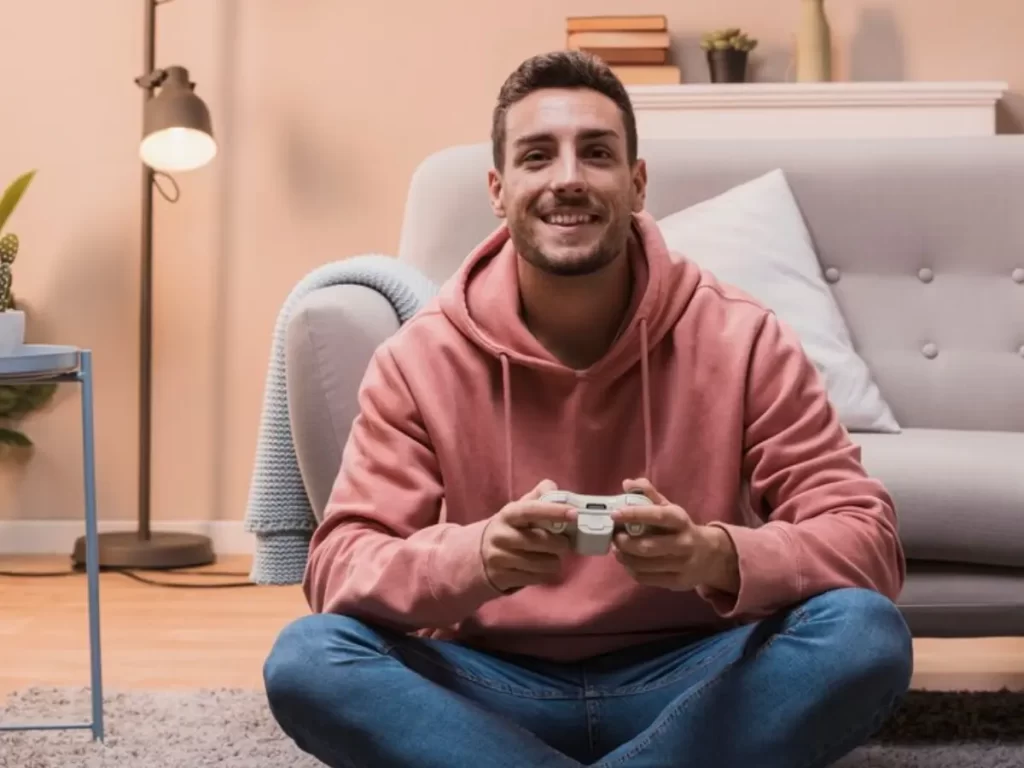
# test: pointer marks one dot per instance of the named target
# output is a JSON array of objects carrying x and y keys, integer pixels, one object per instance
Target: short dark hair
[{"x": 561, "y": 69}]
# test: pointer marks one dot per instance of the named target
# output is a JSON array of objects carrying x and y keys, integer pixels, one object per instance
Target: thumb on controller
[{"x": 544, "y": 486}]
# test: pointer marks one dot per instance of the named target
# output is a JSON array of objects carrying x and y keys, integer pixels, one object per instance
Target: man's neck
[{"x": 576, "y": 318}]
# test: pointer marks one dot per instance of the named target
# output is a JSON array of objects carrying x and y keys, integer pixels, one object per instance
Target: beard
[{"x": 541, "y": 246}]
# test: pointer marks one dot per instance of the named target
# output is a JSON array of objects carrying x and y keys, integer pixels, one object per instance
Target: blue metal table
[{"x": 41, "y": 363}]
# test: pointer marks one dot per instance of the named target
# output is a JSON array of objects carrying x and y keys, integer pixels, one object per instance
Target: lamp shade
[{"x": 177, "y": 129}]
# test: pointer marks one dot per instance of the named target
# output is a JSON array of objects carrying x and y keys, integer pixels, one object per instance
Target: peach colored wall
[{"x": 323, "y": 109}]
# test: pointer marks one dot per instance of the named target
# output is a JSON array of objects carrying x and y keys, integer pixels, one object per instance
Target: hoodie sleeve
[
  {"x": 381, "y": 552},
  {"x": 829, "y": 525}
]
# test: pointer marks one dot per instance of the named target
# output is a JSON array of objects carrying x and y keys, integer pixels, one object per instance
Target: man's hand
[
  {"x": 515, "y": 553},
  {"x": 678, "y": 554}
]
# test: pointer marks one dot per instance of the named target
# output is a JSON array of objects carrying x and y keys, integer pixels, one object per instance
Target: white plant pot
[{"x": 12, "y": 331}]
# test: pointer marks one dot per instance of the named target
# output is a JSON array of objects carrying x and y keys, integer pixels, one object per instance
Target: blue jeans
[{"x": 796, "y": 690}]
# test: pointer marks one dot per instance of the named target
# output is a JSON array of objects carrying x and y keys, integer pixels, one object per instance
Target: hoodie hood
[{"x": 482, "y": 301}]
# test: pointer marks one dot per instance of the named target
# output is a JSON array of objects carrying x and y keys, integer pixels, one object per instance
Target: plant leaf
[
  {"x": 12, "y": 196},
  {"x": 14, "y": 437}
]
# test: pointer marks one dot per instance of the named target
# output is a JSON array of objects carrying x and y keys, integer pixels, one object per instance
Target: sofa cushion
[
  {"x": 956, "y": 600},
  {"x": 754, "y": 237},
  {"x": 959, "y": 494}
]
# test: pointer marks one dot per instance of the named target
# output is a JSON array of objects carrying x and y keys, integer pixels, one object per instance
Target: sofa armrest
[{"x": 331, "y": 336}]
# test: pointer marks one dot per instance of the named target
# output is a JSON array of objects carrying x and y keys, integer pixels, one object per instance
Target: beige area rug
[{"x": 234, "y": 729}]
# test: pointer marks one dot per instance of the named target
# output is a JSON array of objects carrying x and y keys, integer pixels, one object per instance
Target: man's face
[{"x": 567, "y": 190}]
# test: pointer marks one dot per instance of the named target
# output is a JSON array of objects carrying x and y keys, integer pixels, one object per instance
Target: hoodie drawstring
[
  {"x": 645, "y": 397},
  {"x": 506, "y": 388}
]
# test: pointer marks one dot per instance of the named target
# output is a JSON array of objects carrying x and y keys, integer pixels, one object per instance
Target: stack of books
[{"x": 635, "y": 47}]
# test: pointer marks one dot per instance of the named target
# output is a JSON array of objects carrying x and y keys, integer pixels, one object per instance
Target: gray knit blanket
[{"x": 279, "y": 512}]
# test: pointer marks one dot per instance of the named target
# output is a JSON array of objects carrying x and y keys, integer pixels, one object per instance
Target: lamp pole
[
  {"x": 146, "y": 299},
  {"x": 173, "y": 119}
]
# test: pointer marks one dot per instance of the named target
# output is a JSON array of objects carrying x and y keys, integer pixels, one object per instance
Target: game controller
[{"x": 592, "y": 531}]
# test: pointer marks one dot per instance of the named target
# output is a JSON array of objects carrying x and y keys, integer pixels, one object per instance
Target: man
[{"x": 572, "y": 351}]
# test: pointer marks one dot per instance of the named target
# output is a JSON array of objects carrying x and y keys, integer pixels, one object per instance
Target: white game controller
[{"x": 591, "y": 532}]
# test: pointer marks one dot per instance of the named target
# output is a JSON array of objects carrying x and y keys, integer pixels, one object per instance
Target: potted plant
[
  {"x": 727, "y": 53},
  {"x": 16, "y": 402},
  {"x": 12, "y": 319}
]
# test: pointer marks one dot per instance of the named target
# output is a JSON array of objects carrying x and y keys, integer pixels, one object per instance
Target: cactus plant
[
  {"x": 730, "y": 38},
  {"x": 16, "y": 401},
  {"x": 9, "y": 242},
  {"x": 8, "y": 253},
  {"x": 727, "y": 51}
]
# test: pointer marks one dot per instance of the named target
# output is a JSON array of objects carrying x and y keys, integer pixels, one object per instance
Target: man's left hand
[{"x": 675, "y": 553}]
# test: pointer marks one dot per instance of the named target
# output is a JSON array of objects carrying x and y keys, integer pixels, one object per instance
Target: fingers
[
  {"x": 667, "y": 518},
  {"x": 544, "y": 486},
  {"x": 638, "y": 565},
  {"x": 528, "y": 562},
  {"x": 644, "y": 486},
  {"x": 531, "y": 540},
  {"x": 540, "y": 540},
  {"x": 531, "y": 513},
  {"x": 654, "y": 545},
  {"x": 660, "y": 514}
]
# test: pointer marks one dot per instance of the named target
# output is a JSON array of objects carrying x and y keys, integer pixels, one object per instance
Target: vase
[
  {"x": 814, "y": 43},
  {"x": 727, "y": 66},
  {"x": 12, "y": 331}
]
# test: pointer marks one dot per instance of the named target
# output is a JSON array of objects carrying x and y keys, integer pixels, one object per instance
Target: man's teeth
[{"x": 569, "y": 219}]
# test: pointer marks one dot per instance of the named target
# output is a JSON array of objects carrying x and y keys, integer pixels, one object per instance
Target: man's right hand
[{"x": 515, "y": 552}]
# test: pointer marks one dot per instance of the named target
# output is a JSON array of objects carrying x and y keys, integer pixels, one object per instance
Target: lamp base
[{"x": 161, "y": 551}]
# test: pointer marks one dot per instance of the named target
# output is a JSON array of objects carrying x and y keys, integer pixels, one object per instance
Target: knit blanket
[{"x": 279, "y": 512}]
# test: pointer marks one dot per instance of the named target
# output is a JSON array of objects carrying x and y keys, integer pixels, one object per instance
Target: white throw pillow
[{"x": 753, "y": 237}]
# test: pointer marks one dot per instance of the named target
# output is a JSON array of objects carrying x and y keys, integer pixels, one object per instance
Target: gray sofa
[{"x": 924, "y": 243}]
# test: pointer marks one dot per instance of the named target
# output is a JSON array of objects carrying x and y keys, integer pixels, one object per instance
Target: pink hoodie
[{"x": 705, "y": 392}]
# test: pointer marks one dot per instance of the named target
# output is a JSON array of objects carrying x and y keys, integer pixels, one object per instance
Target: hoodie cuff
[
  {"x": 457, "y": 575},
  {"x": 769, "y": 572}
]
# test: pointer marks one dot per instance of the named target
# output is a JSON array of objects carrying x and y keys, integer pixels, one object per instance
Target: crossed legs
[{"x": 799, "y": 689}]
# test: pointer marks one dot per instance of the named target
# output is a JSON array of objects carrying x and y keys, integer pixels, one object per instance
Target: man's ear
[
  {"x": 494, "y": 187},
  {"x": 639, "y": 185}
]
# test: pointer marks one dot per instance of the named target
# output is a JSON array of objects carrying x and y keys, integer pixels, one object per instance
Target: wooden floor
[{"x": 154, "y": 637}]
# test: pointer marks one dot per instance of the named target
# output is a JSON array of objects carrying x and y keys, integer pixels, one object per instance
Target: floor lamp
[{"x": 177, "y": 135}]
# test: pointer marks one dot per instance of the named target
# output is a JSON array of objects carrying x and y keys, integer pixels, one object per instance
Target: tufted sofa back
[{"x": 921, "y": 240}]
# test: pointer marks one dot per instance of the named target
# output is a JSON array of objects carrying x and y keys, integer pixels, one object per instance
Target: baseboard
[{"x": 57, "y": 537}]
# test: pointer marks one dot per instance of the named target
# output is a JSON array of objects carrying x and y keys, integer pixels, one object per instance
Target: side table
[{"x": 42, "y": 363}]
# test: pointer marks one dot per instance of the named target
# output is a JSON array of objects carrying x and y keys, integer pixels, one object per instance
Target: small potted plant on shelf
[
  {"x": 727, "y": 52},
  {"x": 12, "y": 319},
  {"x": 16, "y": 401}
]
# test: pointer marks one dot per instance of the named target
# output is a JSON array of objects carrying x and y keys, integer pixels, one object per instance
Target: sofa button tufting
[
  {"x": 1018, "y": 275},
  {"x": 832, "y": 275},
  {"x": 930, "y": 351},
  {"x": 925, "y": 275}
]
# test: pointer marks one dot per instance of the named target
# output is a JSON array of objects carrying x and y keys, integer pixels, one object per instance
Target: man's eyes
[{"x": 536, "y": 156}]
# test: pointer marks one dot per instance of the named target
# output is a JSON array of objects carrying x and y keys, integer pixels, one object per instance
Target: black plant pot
[{"x": 727, "y": 66}]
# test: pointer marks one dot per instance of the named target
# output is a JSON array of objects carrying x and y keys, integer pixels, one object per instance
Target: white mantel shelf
[{"x": 826, "y": 110}]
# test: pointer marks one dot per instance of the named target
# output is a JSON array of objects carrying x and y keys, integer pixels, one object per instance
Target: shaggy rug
[{"x": 233, "y": 729}]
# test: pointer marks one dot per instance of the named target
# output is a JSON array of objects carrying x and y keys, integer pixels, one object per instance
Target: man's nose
[{"x": 569, "y": 177}]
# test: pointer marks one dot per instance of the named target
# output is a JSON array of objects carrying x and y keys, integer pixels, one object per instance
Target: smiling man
[{"x": 754, "y": 626}]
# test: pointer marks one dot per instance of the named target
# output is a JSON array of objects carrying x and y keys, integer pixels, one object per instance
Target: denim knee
[
  {"x": 873, "y": 642},
  {"x": 294, "y": 669}
]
